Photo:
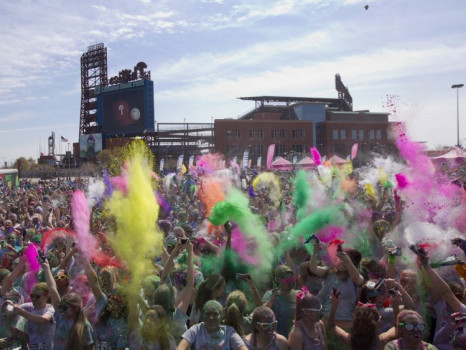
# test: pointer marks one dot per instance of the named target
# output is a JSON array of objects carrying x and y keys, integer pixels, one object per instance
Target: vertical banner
[
  {"x": 354, "y": 151},
  {"x": 270, "y": 154},
  {"x": 191, "y": 161},
  {"x": 179, "y": 163},
  {"x": 259, "y": 162},
  {"x": 245, "y": 159},
  {"x": 162, "y": 162}
]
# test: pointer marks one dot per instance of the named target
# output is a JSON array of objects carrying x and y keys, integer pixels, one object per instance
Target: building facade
[
  {"x": 297, "y": 124},
  {"x": 233, "y": 137}
]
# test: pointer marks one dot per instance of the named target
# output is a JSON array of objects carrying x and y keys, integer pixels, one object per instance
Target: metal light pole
[{"x": 457, "y": 87}]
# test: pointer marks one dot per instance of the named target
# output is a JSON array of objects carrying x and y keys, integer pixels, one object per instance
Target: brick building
[{"x": 295, "y": 124}]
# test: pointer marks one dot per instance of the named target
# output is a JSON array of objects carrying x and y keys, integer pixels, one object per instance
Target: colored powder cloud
[{"x": 136, "y": 214}]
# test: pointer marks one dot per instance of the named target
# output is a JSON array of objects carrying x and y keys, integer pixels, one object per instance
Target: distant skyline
[{"x": 205, "y": 54}]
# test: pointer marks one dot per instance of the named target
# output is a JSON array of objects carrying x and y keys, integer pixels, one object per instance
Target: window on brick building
[
  {"x": 371, "y": 134},
  {"x": 342, "y": 134},
  {"x": 378, "y": 134},
  {"x": 238, "y": 134},
  {"x": 303, "y": 134},
  {"x": 279, "y": 150},
  {"x": 335, "y": 134},
  {"x": 354, "y": 134},
  {"x": 361, "y": 134},
  {"x": 228, "y": 134},
  {"x": 251, "y": 134},
  {"x": 294, "y": 134},
  {"x": 273, "y": 134},
  {"x": 282, "y": 134},
  {"x": 260, "y": 134}
]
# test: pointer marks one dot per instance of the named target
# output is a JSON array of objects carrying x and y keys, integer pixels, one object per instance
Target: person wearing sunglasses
[
  {"x": 72, "y": 331},
  {"x": 210, "y": 334},
  {"x": 62, "y": 281},
  {"x": 264, "y": 335},
  {"x": 410, "y": 331},
  {"x": 39, "y": 318},
  {"x": 282, "y": 300},
  {"x": 308, "y": 331}
]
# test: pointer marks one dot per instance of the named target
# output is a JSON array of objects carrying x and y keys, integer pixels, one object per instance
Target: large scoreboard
[{"x": 126, "y": 109}]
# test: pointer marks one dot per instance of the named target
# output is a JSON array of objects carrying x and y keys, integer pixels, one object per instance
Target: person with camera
[
  {"x": 40, "y": 325},
  {"x": 72, "y": 331}
]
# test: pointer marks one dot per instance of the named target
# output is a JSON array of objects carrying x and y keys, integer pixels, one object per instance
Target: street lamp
[{"x": 457, "y": 87}]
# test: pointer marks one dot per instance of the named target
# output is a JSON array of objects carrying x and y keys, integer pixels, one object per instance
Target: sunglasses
[
  {"x": 35, "y": 296},
  {"x": 60, "y": 277},
  {"x": 267, "y": 326},
  {"x": 411, "y": 326}
]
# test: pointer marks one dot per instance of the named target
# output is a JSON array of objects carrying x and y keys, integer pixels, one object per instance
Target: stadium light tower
[{"x": 457, "y": 87}]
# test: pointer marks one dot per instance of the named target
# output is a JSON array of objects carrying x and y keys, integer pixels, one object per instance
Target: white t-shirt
[
  {"x": 225, "y": 338},
  {"x": 40, "y": 335}
]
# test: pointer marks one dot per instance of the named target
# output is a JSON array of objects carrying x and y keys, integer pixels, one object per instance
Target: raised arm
[
  {"x": 67, "y": 258},
  {"x": 11, "y": 278},
  {"x": 188, "y": 290},
  {"x": 438, "y": 284},
  {"x": 317, "y": 270},
  {"x": 353, "y": 272},
  {"x": 53, "y": 292},
  {"x": 92, "y": 279},
  {"x": 167, "y": 267},
  {"x": 255, "y": 292},
  {"x": 335, "y": 298}
]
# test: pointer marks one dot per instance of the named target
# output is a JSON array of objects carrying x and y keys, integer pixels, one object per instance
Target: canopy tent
[
  {"x": 281, "y": 164},
  {"x": 453, "y": 154},
  {"x": 337, "y": 160},
  {"x": 306, "y": 163}
]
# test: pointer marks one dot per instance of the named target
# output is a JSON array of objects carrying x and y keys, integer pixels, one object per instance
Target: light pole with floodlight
[{"x": 457, "y": 87}]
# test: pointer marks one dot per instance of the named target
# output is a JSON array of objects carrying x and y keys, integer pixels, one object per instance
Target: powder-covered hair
[{"x": 236, "y": 307}]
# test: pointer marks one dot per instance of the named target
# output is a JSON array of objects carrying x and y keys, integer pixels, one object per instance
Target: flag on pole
[
  {"x": 191, "y": 161},
  {"x": 354, "y": 151},
  {"x": 179, "y": 163},
  {"x": 270, "y": 154},
  {"x": 245, "y": 159},
  {"x": 63, "y": 139}
]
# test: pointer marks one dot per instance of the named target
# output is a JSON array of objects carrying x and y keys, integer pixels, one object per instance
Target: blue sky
[{"x": 204, "y": 54}]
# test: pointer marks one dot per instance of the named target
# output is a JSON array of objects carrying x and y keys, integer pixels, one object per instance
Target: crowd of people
[{"x": 333, "y": 258}]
